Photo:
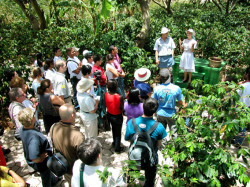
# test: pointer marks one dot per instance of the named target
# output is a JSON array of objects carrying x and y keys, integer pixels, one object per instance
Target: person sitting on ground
[
  {"x": 36, "y": 147},
  {"x": 49, "y": 70},
  {"x": 133, "y": 106},
  {"x": 37, "y": 75},
  {"x": 88, "y": 106},
  {"x": 114, "y": 104},
  {"x": 49, "y": 104},
  {"x": 141, "y": 75},
  {"x": 144, "y": 123},
  {"x": 90, "y": 158},
  {"x": 57, "y": 52},
  {"x": 101, "y": 79},
  {"x": 66, "y": 136},
  {"x": 60, "y": 83},
  {"x": 9, "y": 178}
]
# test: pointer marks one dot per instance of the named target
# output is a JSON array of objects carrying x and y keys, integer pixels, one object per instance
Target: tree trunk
[
  {"x": 40, "y": 14},
  {"x": 32, "y": 19},
  {"x": 145, "y": 31}
]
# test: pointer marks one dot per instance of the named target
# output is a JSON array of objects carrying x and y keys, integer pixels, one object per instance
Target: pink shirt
[{"x": 117, "y": 63}]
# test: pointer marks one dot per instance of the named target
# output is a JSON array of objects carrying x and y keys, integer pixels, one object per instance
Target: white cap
[
  {"x": 192, "y": 31},
  {"x": 164, "y": 30}
]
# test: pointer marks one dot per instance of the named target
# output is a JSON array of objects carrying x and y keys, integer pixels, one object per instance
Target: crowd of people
[{"x": 96, "y": 92}]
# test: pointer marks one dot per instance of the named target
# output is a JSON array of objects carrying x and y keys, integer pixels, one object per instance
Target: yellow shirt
[{"x": 6, "y": 180}]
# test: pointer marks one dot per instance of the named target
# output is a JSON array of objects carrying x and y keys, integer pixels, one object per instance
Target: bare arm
[
  {"x": 96, "y": 106},
  {"x": 56, "y": 100},
  {"x": 159, "y": 143},
  {"x": 41, "y": 158},
  {"x": 16, "y": 178},
  {"x": 192, "y": 48},
  {"x": 180, "y": 42},
  {"x": 114, "y": 71},
  {"x": 156, "y": 57},
  {"x": 173, "y": 52}
]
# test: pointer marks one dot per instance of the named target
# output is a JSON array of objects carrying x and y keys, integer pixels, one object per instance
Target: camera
[{"x": 97, "y": 74}]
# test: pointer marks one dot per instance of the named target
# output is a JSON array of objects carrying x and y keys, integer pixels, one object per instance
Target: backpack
[
  {"x": 141, "y": 148},
  {"x": 67, "y": 75}
]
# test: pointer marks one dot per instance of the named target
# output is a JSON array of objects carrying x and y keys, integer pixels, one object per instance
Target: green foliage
[
  {"x": 103, "y": 175},
  {"x": 201, "y": 151}
]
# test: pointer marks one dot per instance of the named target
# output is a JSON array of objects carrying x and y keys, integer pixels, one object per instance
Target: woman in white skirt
[{"x": 187, "y": 58}]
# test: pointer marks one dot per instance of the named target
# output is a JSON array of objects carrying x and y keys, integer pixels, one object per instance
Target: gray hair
[
  {"x": 14, "y": 93},
  {"x": 58, "y": 64}
]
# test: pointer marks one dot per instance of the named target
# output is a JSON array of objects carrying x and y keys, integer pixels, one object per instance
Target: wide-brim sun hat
[
  {"x": 192, "y": 31},
  {"x": 142, "y": 74},
  {"x": 84, "y": 84},
  {"x": 164, "y": 30},
  {"x": 164, "y": 72}
]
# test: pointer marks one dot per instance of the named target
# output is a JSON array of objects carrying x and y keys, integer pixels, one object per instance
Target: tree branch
[{"x": 216, "y": 4}]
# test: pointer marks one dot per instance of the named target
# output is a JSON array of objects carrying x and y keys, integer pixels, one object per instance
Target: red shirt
[
  {"x": 102, "y": 81},
  {"x": 113, "y": 103}
]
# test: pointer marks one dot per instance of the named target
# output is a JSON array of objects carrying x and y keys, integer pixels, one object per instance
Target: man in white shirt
[
  {"x": 60, "y": 84},
  {"x": 164, "y": 50},
  {"x": 57, "y": 53},
  {"x": 74, "y": 69},
  {"x": 245, "y": 94},
  {"x": 90, "y": 153}
]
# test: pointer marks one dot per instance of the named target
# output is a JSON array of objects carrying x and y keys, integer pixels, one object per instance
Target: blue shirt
[
  {"x": 158, "y": 134},
  {"x": 166, "y": 95},
  {"x": 34, "y": 144},
  {"x": 144, "y": 88}
]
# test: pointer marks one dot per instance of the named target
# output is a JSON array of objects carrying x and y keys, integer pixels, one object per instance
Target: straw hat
[
  {"x": 84, "y": 84},
  {"x": 142, "y": 74}
]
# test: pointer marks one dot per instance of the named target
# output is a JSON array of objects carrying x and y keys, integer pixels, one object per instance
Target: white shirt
[
  {"x": 56, "y": 58},
  {"x": 164, "y": 47},
  {"x": 109, "y": 73},
  {"x": 50, "y": 74},
  {"x": 72, "y": 65},
  {"x": 61, "y": 85},
  {"x": 91, "y": 178},
  {"x": 245, "y": 95},
  {"x": 187, "y": 44}
]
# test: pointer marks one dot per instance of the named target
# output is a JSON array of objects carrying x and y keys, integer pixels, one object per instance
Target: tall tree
[
  {"x": 26, "y": 6},
  {"x": 145, "y": 30}
]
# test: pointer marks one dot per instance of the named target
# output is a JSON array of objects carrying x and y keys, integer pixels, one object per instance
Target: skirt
[{"x": 187, "y": 62}]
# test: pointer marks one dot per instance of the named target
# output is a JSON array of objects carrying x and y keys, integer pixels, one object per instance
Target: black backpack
[{"x": 141, "y": 148}]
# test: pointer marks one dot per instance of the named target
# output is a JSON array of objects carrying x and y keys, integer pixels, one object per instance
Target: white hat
[
  {"x": 164, "y": 30},
  {"x": 142, "y": 74},
  {"x": 192, "y": 31},
  {"x": 84, "y": 84},
  {"x": 76, "y": 49},
  {"x": 86, "y": 52},
  {"x": 164, "y": 72}
]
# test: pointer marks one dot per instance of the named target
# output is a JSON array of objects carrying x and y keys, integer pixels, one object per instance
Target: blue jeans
[{"x": 74, "y": 82}]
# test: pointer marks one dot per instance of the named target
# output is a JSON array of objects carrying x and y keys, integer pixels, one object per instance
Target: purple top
[
  {"x": 117, "y": 63},
  {"x": 133, "y": 111}
]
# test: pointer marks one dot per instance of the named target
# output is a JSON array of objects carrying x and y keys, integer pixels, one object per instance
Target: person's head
[
  {"x": 17, "y": 94},
  {"x": 26, "y": 118},
  {"x": 37, "y": 72},
  {"x": 164, "y": 32},
  {"x": 60, "y": 66},
  {"x": 89, "y": 151},
  {"x": 89, "y": 57},
  {"x": 134, "y": 96},
  {"x": 67, "y": 113},
  {"x": 85, "y": 52},
  {"x": 97, "y": 60},
  {"x": 39, "y": 56},
  {"x": 247, "y": 74},
  {"x": 57, "y": 51},
  {"x": 113, "y": 50},
  {"x": 150, "y": 106},
  {"x": 18, "y": 82},
  {"x": 70, "y": 52},
  {"x": 86, "y": 70},
  {"x": 11, "y": 74},
  {"x": 165, "y": 75},
  {"x": 112, "y": 85},
  {"x": 84, "y": 85},
  {"x": 49, "y": 63},
  {"x": 45, "y": 86},
  {"x": 190, "y": 33},
  {"x": 110, "y": 58},
  {"x": 142, "y": 74},
  {"x": 76, "y": 50}
]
